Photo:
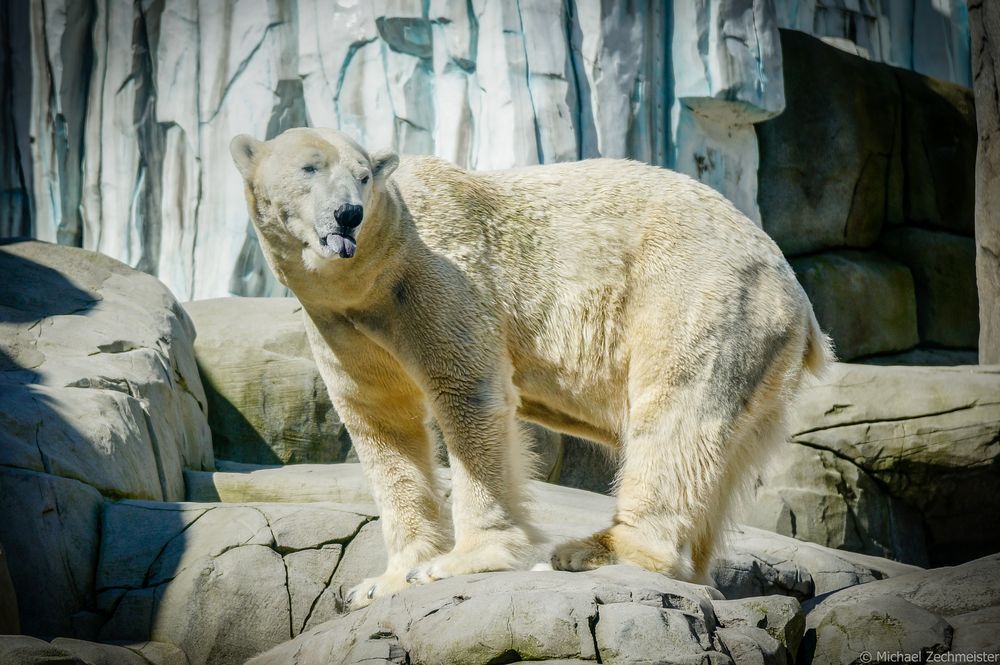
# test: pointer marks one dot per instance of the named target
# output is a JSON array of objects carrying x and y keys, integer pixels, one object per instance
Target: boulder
[
  {"x": 780, "y": 616},
  {"x": 50, "y": 532},
  {"x": 809, "y": 204},
  {"x": 268, "y": 404},
  {"x": 938, "y": 152},
  {"x": 818, "y": 496},
  {"x": 99, "y": 380},
  {"x": 865, "y": 302},
  {"x": 99, "y": 395},
  {"x": 898, "y": 147},
  {"x": 222, "y": 582},
  {"x": 910, "y": 614},
  {"x": 976, "y": 631},
  {"x": 880, "y": 454},
  {"x": 943, "y": 266},
  {"x": 267, "y": 401},
  {"x": 586, "y": 465}
]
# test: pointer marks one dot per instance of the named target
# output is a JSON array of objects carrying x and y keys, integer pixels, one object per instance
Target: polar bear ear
[
  {"x": 384, "y": 162},
  {"x": 246, "y": 151}
]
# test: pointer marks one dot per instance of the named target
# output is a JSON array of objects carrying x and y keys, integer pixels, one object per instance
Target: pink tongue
[{"x": 343, "y": 246}]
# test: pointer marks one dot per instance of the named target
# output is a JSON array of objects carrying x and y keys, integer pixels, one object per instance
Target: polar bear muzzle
[{"x": 338, "y": 237}]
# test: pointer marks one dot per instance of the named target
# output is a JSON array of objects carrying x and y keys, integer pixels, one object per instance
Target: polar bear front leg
[
  {"x": 397, "y": 461},
  {"x": 477, "y": 419},
  {"x": 385, "y": 413}
]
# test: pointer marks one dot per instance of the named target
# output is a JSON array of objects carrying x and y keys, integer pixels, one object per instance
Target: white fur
[{"x": 624, "y": 303}]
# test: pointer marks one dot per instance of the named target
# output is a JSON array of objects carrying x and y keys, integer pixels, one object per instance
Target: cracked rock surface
[
  {"x": 617, "y": 614},
  {"x": 223, "y": 582},
  {"x": 892, "y": 461}
]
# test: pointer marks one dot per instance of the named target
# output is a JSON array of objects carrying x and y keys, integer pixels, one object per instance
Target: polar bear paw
[
  {"x": 584, "y": 554},
  {"x": 373, "y": 588},
  {"x": 480, "y": 553},
  {"x": 453, "y": 564},
  {"x": 625, "y": 544}
]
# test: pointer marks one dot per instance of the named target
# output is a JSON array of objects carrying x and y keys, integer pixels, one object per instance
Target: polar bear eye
[
  {"x": 364, "y": 179},
  {"x": 309, "y": 168}
]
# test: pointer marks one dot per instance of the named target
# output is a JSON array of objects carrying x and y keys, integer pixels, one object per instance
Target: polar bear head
[{"x": 312, "y": 188}]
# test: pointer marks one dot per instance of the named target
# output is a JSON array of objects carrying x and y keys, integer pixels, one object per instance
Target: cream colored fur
[{"x": 624, "y": 303}]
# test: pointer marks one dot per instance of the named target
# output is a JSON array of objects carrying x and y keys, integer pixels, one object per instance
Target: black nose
[{"x": 349, "y": 215}]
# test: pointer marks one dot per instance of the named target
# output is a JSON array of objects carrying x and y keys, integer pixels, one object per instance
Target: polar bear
[{"x": 620, "y": 302}]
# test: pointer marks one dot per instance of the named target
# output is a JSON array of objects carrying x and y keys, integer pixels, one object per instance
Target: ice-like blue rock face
[{"x": 124, "y": 146}]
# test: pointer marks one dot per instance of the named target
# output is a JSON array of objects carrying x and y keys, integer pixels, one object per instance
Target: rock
[
  {"x": 199, "y": 609},
  {"x": 816, "y": 495},
  {"x": 158, "y": 653},
  {"x": 503, "y": 617},
  {"x": 24, "y": 650},
  {"x": 976, "y": 632},
  {"x": 15, "y": 111},
  {"x": 94, "y": 653},
  {"x": 841, "y": 201},
  {"x": 984, "y": 24},
  {"x": 938, "y": 153},
  {"x": 634, "y": 633},
  {"x": 51, "y": 535},
  {"x": 99, "y": 394},
  {"x": 586, "y": 466},
  {"x": 722, "y": 87},
  {"x": 9, "y": 622},
  {"x": 267, "y": 402},
  {"x": 309, "y": 575},
  {"x": 226, "y": 581},
  {"x": 943, "y": 266},
  {"x": 100, "y": 382},
  {"x": 902, "y": 477},
  {"x": 781, "y": 617},
  {"x": 927, "y": 436},
  {"x": 899, "y": 146},
  {"x": 200, "y": 569},
  {"x": 752, "y": 645},
  {"x": 906, "y": 614},
  {"x": 866, "y": 303},
  {"x": 296, "y": 483},
  {"x": 758, "y": 562},
  {"x": 889, "y": 625}
]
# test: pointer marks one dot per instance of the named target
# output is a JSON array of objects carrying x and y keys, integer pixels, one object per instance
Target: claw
[
  {"x": 371, "y": 593},
  {"x": 349, "y": 599}
]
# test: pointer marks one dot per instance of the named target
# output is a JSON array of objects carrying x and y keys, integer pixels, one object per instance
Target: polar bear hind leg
[{"x": 689, "y": 452}]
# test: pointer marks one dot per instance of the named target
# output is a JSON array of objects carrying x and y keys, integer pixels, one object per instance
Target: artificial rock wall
[{"x": 115, "y": 117}]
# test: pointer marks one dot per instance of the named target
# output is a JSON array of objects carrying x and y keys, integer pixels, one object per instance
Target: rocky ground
[{"x": 125, "y": 541}]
